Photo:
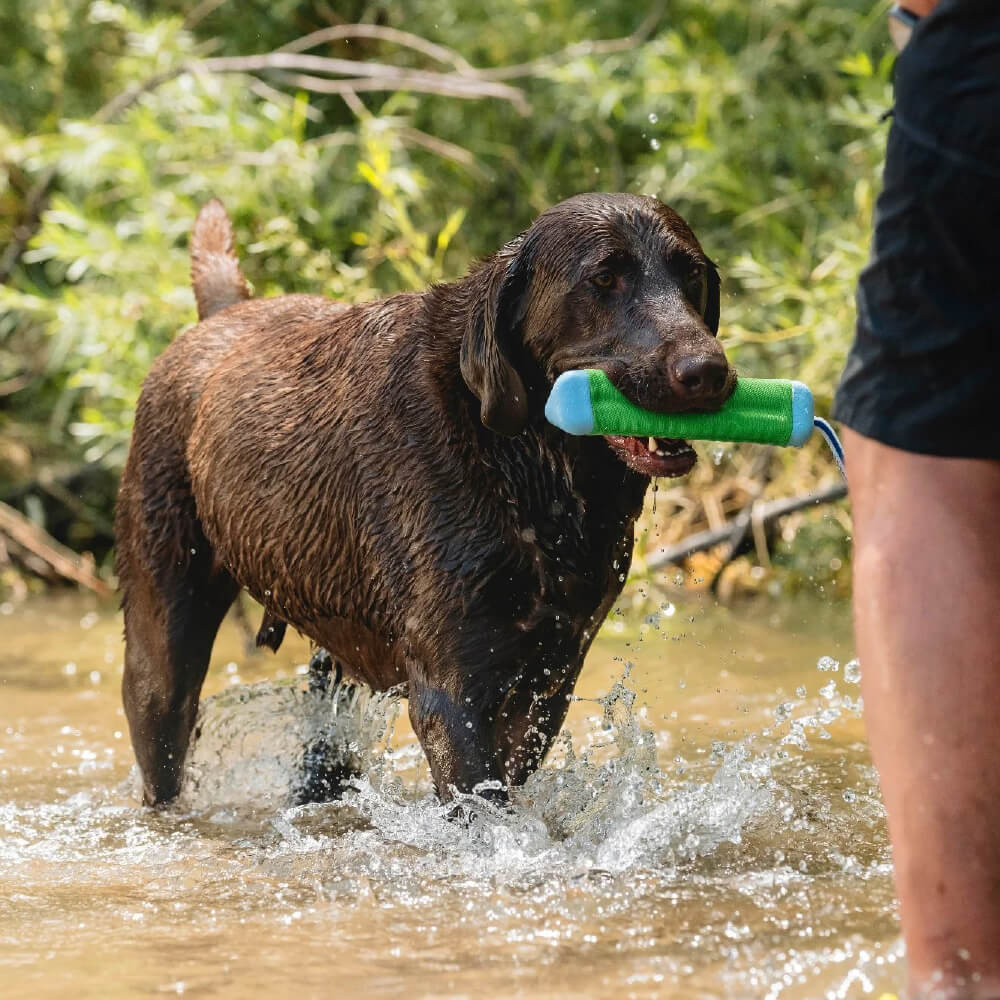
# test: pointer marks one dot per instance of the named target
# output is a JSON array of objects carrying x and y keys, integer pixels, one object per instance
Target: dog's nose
[{"x": 701, "y": 378}]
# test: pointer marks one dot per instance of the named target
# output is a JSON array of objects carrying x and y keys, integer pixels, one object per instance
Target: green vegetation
[{"x": 757, "y": 122}]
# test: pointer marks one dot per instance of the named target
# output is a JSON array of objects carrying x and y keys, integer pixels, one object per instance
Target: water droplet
[
  {"x": 849, "y": 795},
  {"x": 468, "y": 725},
  {"x": 852, "y": 672},
  {"x": 827, "y": 663},
  {"x": 801, "y": 690},
  {"x": 654, "y": 144},
  {"x": 653, "y": 118}
]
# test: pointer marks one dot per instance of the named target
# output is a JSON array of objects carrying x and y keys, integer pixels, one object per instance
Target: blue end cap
[
  {"x": 569, "y": 406},
  {"x": 802, "y": 414}
]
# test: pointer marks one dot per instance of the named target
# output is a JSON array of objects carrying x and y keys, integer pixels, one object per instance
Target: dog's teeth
[
  {"x": 652, "y": 444},
  {"x": 661, "y": 453}
]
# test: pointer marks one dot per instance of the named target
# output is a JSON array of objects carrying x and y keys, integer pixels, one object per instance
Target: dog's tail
[{"x": 215, "y": 268}]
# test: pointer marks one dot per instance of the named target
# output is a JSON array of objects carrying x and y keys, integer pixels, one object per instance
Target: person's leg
[{"x": 927, "y": 617}]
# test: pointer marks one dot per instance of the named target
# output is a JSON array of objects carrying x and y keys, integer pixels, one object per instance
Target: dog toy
[
  {"x": 760, "y": 410},
  {"x": 764, "y": 411}
]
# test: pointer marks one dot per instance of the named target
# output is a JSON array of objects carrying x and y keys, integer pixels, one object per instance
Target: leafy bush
[{"x": 759, "y": 123}]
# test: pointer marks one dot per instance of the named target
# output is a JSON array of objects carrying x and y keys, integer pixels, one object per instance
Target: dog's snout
[{"x": 700, "y": 379}]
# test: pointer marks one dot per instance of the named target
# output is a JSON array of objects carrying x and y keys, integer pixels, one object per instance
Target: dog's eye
[
  {"x": 694, "y": 284},
  {"x": 696, "y": 275},
  {"x": 604, "y": 279}
]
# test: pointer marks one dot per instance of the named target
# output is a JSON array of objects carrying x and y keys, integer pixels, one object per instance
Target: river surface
[{"x": 708, "y": 827}]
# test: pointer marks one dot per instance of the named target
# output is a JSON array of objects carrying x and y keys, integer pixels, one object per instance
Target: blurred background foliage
[{"x": 759, "y": 123}]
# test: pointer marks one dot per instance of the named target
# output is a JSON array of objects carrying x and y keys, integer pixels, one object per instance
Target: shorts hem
[{"x": 929, "y": 445}]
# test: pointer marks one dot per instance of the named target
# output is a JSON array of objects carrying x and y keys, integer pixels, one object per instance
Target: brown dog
[{"x": 382, "y": 478}]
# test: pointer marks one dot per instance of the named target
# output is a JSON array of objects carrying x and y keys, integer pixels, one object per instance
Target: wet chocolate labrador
[{"x": 381, "y": 477}]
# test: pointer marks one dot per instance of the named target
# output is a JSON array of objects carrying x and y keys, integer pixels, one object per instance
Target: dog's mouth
[{"x": 669, "y": 457}]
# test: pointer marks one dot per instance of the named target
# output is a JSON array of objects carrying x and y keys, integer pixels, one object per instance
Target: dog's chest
[{"x": 574, "y": 524}]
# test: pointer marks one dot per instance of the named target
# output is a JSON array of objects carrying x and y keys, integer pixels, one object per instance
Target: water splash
[
  {"x": 604, "y": 806},
  {"x": 602, "y": 802},
  {"x": 253, "y": 742}
]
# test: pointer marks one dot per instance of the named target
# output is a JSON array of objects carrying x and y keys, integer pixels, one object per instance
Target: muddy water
[{"x": 708, "y": 827}]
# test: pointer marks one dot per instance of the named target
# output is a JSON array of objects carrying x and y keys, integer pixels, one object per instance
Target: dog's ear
[
  {"x": 712, "y": 300},
  {"x": 491, "y": 344}
]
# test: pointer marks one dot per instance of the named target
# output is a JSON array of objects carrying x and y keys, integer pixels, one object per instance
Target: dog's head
[{"x": 610, "y": 281}]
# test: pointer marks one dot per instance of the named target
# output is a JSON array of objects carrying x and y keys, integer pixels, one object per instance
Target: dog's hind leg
[
  {"x": 174, "y": 597},
  {"x": 168, "y": 642},
  {"x": 326, "y": 768}
]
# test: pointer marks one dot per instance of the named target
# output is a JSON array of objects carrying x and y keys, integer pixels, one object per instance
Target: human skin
[
  {"x": 927, "y": 610},
  {"x": 920, "y": 7}
]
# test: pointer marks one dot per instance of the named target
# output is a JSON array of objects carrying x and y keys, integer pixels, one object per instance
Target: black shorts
[{"x": 924, "y": 372}]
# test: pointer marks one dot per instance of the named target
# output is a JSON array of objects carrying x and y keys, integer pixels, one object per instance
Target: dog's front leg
[
  {"x": 529, "y": 720},
  {"x": 456, "y": 732}
]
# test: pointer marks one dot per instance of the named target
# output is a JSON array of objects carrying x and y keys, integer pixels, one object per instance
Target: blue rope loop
[{"x": 833, "y": 441}]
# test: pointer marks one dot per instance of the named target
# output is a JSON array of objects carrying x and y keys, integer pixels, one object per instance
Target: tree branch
[
  {"x": 577, "y": 51},
  {"x": 445, "y": 85},
  {"x": 737, "y": 528},
  {"x": 340, "y": 32},
  {"x": 63, "y": 561},
  {"x": 365, "y": 76},
  {"x": 440, "y": 147}
]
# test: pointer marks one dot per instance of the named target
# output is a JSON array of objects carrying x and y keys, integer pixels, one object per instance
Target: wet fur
[{"x": 381, "y": 477}]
